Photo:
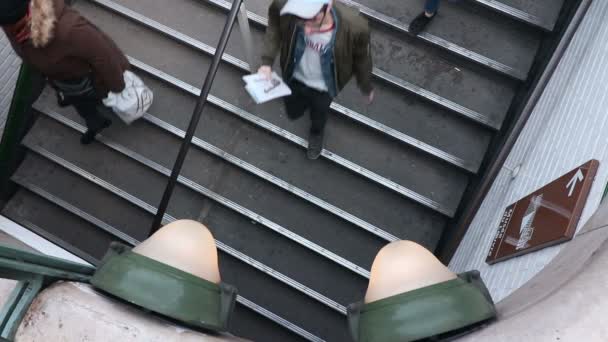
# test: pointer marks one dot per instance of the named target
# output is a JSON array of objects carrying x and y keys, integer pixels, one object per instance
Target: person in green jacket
[{"x": 322, "y": 45}]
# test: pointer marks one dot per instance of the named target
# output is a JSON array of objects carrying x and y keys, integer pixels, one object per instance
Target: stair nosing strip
[
  {"x": 412, "y": 142},
  {"x": 324, "y": 252},
  {"x": 399, "y": 26},
  {"x": 456, "y": 49},
  {"x": 439, "y": 100},
  {"x": 277, "y": 319},
  {"x": 243, "y": 301},
  {"x": 34, "y": 228},
  {"x": 516, "y": 13},
  {"x": 336, "y": 107},
  {"x": 168, "y": 219},
  {"x": 407, "y": 193},
  {"x": 73, "y": 209},
  {"x": 273, "y": 179}
]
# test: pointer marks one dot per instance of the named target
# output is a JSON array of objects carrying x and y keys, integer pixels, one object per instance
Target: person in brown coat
[{"x": 80, "y": 61}]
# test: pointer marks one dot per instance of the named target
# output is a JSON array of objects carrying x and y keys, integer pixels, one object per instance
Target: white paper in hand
[{"x": 263, "y": 90}]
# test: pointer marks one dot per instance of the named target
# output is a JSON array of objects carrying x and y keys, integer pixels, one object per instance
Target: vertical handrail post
[
  {"x": 198, "y": 110},
  {"x": 246, "y": 35}
]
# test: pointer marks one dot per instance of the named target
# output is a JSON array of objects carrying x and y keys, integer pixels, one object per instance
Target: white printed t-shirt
[{"x": 309, "y": 70}]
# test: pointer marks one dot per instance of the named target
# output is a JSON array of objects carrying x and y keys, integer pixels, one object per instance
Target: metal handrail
[{"x": 198, "y": 110}]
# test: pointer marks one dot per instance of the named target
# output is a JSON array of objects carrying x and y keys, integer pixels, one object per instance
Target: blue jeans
[{"x": 431, "y": 6}]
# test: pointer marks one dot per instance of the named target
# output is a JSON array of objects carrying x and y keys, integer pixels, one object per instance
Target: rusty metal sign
[{"x": 545, "y": 217}]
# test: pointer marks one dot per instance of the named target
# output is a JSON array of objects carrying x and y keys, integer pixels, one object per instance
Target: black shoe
[
  {"x": 420, "y": 22},
  {"x": 315, "y": 146},
  {"x": 89, "y": 136},
  {"x": 62, "y": 101}
]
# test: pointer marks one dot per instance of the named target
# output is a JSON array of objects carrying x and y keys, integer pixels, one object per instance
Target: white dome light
[
  {"x": 186, "y": 245},
  {"x": 403, "y": 266}
]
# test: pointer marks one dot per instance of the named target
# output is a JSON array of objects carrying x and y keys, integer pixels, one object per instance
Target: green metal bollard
[
  {"x": 165, "y": 290},
  {"x": 436, "y": 312}
]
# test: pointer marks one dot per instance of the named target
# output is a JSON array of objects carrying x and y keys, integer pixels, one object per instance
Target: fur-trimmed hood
[
  {"x": 63, "y": 45},
  {"x": 43, "y": 19}
]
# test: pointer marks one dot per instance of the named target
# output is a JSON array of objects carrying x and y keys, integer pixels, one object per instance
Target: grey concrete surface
[
  {"x": 548, "y": 10},
  {"x": 74, "y": 311}
]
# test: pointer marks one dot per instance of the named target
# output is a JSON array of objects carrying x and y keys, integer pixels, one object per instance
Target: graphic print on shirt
[
  {"x": 309, "y": 70},
  {"x": 316, "y": 46}
]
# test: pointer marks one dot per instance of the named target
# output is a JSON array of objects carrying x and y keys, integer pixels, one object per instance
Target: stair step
[
  {"x": 547, "y": 11},
  {"x": 350, "y": 206},
  {"x": 454, "y": 181},
  {"x": 343, "y": 189},
  {"x": 285, "y": 225},
  {"x": 255, "y": 199},
  {"x": 468, "y": 82},
  {"x": 281, "y": 289},
  {"x": 71, "y": 229},
  {"x": 252, "y": 323},
  {"x": 393, "y": 24},
  {"x": 470, "y": 143},
  {"x": 238, "y": 228},
  {"x": 64, "y": 230},
  {"x": 475, "y": 153},
  {"x": 457, "y": 28},
  {"x": 442, "y": 180}
]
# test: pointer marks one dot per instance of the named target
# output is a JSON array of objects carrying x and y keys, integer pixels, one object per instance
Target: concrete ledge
[
  {"x": 567, "y": 300},
  {"x": 76, "y": 312}
]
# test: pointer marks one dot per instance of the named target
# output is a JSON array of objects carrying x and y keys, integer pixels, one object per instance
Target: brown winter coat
[{"x": 63, "y": 45}]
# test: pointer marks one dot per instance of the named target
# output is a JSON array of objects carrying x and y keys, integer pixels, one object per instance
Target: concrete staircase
[{"x": 296, "y": 237}]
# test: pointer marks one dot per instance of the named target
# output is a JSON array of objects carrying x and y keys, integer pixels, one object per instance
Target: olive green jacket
[{"x": 351, "y": 51}]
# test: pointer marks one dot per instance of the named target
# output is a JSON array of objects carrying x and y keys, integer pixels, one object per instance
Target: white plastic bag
[{"x": 133, "y": 102}]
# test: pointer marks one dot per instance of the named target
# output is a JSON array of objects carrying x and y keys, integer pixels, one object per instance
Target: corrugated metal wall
[
  {"x": 9, "y": 70},
  {"x": 568, "y": 127}
]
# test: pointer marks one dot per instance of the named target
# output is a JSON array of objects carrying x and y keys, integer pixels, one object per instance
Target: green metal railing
[
  {"x": 33, "y": 272},
  {"x": 18, "y": 120}
]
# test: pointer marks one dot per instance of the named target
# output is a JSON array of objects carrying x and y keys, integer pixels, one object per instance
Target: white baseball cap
[{"x": 306, "y": 9}]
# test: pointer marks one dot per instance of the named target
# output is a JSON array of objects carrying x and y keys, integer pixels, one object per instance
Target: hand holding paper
[{"x": 263, "y": 89}]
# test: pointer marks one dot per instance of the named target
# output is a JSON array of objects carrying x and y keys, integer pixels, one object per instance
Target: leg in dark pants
[
  {"x": 95, "y": 121},
  {"x": 303, "y": 98},
  {"x": 297, "y": 103},
  {"x": 319, "y": 111},
  {"x": 81, "y": 94},
  {"x": 423, "y": 19}
]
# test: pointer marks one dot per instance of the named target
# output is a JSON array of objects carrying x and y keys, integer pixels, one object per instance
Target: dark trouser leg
[
  {"x": 95, "y": 121},
  {"x": 87, "y": 109},
  {"x": 297, "y": 103},
  {"x": 320, "y": 102},
  {"x": 431, "y": 6}
]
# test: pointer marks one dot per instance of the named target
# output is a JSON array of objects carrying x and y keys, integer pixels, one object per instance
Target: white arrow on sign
[{"x": 572, "y": 183}]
